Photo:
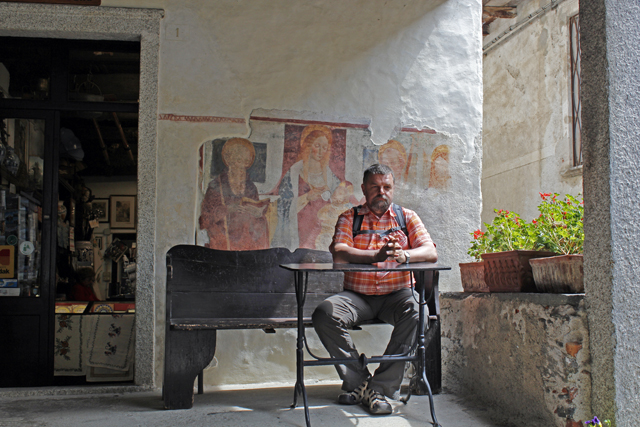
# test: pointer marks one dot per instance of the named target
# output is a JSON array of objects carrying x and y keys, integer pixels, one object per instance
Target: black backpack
[{"x": 357, "y": 223}]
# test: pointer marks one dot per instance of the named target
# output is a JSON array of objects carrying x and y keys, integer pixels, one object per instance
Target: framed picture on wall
[
  {"x": 122, "y": 211},
  {"x": 101, "y": 206}
]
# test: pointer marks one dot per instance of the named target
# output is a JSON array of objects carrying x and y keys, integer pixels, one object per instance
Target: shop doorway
[{"x": 69, "y": 110}]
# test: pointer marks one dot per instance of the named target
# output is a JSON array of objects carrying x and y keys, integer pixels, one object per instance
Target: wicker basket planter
[
  {"x": 510, "y": 271},
  {"x": 472, "y": 275},
  {"x": 562, "y": 274}
]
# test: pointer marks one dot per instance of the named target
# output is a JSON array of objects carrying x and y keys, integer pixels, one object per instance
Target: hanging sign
[{"x": 75, "y": 2}]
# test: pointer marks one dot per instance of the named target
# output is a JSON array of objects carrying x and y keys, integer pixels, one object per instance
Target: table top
[{"x": 386, "y": 266}]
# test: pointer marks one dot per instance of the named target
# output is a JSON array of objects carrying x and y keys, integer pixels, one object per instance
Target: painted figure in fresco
[
  {"x": 341, "y": 200},
  {"x": 387, "y": 296},
  {"x": 394, "y": 155},
  {"x": 439, "y": 176},
  {"x": 231, "y": 212},
  {"x": 305, "y": 189}
]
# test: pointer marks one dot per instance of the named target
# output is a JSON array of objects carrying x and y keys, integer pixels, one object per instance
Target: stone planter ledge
[{"x": 524, "y": 356}]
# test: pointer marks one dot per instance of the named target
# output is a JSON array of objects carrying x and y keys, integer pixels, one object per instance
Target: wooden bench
[{"x": 210, "y": 289}]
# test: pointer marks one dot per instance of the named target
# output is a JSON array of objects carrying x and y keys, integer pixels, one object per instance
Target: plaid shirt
[{"x": 383, "y": 282}]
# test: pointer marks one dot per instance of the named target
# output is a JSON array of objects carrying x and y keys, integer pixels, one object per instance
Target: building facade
[{"x": 396, "y": 81}]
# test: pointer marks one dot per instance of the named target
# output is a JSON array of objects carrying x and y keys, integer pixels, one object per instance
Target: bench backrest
[{"x": 232, "y": 288}]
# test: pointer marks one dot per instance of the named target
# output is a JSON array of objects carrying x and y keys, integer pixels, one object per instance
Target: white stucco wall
[
  {"x": 527, "y": 133},
  {"x": 393, "y": 64}
]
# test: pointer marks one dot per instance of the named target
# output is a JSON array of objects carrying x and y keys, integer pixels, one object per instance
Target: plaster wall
[
  {"x": 391, "y": 64},
  {"x": 524, "y": 356},
  {"x": 527, "y": 128}
]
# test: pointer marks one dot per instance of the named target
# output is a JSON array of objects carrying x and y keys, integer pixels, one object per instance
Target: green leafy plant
[
  {"x": 479, "y": 245},
  {"x": 559, "y": 228},
  {"x": 507, "y": 232}
]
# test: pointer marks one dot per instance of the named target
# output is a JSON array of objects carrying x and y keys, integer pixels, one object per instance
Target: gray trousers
[{"x": 333, "y": 318}]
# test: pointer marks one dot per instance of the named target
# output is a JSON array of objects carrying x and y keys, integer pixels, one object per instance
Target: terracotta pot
[
  {"x": 562, "y": 274},
  {"x": 472, "y": 275},
  {"x": 510, "y": 271}
]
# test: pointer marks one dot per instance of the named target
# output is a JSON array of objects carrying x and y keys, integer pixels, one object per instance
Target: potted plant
[
  {"x": 505, "y": 248},
  {"x": 560, "y": 229},
  {"x": 472, "y": 273},
  {"x": 512, "y": 243}
]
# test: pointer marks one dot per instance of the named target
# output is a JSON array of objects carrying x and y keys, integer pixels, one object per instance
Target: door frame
[{"x": 143, "y": 25}]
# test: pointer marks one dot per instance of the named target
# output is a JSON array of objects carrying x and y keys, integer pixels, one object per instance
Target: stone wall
[
  {"x": 525, "y": 356},
  {"x": 611, "y": 125}
]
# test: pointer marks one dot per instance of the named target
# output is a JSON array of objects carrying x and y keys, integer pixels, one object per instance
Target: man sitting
[{"x": 386, "y": 296}]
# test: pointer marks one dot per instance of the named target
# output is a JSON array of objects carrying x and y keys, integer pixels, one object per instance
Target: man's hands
[{"x": 391, "y": 251}]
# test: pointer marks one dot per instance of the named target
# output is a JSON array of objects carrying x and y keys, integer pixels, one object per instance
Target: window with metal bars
[{"x": 576, "y": 80}]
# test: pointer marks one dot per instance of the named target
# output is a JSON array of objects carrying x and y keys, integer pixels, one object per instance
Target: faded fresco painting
[
  {"x": 286, "y": 184},
  {"x": 439, "y": 176},
  {"x": 313, "y": 168},
  {"x": 232, "y": 213},
  {"x": 419, "y": 160}
]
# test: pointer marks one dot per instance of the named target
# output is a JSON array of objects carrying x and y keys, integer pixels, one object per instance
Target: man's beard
[{"x": 380, "y": 204}]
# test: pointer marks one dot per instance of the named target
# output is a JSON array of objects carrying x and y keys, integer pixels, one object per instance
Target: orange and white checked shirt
[{"x": 383, "y": 282}]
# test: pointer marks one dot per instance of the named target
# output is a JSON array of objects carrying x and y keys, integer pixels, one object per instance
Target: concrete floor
[{"x": 250, "y": 407}]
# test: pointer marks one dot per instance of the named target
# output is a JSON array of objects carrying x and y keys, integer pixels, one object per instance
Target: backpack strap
[
  {"x": 402, "y": 222},
  {"x": 357, "y": 223}
]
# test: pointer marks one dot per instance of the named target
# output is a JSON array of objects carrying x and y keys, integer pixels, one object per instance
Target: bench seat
[
  {"x": 209, "y": 289},
  {"x": 234, "y": 323}
]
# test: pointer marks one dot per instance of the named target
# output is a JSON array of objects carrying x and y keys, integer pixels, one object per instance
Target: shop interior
[{"x": 68, "y": 210}]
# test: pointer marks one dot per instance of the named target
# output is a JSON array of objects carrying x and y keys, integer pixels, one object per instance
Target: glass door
[
  {"x": 68, "y": 152},
  {"x": 26, "y": 299}
]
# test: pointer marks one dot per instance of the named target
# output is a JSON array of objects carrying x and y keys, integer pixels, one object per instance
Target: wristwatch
[{"x": 407, "y": 257}]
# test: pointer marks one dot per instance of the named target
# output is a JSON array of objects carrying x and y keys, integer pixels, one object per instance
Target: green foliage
[
  {"x": 507, "y": 232},
  {"x": 559, "y": 229}
]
